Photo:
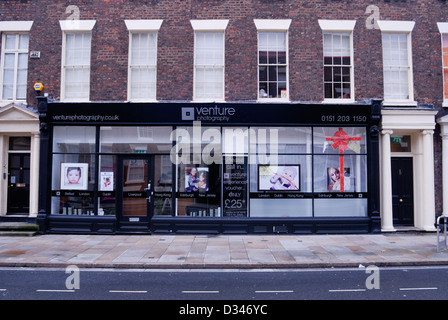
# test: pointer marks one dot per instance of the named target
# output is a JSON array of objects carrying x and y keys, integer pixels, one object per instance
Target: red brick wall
[{"x": 175, "y": 52}]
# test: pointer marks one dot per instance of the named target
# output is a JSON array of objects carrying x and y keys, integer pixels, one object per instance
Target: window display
[
  {"x": 279, "y": 178},
  {"x": 317, "y": 172}
]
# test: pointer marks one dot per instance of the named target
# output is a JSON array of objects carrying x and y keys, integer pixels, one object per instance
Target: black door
[
  {"x": 135, "y": 192},
  {"x": 403, "y": 191},
  {"x": 18, "y": 183}
]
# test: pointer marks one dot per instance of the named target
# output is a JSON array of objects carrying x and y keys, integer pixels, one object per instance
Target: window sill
[
  {"x": 399, "y": 103},
  {"x": 75, "y": 100},
  {"x": 338, "y": 101},
  {"x": 141, "y": 100},
  {"x": 271, "y": 100},
  {"x": 209, "y": 100}
]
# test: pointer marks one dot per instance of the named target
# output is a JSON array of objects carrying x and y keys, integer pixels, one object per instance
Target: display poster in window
[
  {"x": 279, "y": 178},
  {"x": 107, "y": 181},
  {"x": 235, "y": 189},
  {"x": 74, "y": 176},
  {"x": 337, "y": 182},
  {"x": 196, "y": 179}
]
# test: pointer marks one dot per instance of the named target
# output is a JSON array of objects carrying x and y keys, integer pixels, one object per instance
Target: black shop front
[{"x": 209, "y": 168}]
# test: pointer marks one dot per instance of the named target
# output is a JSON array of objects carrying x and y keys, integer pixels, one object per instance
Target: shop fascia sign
[{"x": 208, "y": 113}]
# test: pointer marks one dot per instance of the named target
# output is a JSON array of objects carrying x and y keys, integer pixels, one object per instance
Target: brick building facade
[{"x": 304, "y": 77}]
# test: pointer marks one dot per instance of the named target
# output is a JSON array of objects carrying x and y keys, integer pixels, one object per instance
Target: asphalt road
[{"x": 248, "y": 287}]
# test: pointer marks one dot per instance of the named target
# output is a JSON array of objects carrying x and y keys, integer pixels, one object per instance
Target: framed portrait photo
[
  {"x": 279, "y": 178},
  {"x": 196, "y": 179},
  {"x": 334, "y": 181},
  {"x": 74, "y": 176}
]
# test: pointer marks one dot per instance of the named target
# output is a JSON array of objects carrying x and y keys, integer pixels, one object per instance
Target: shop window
[
  {"x": 135, "y": 139},
  {"x": 348, "y": 140},
  {"x": 163, "y": 182},
  {"x": 74, "y": 139},
  {"x": 283, "y": 189},
  {"x": 280, "y": 140},
  {"x": 330, "y": 177},
  {"x": 107, "y": 185},
  {"x": 199, "y": 190},
  {"x": 340, "y": 172},
  {"x": 73, "y": 184}
]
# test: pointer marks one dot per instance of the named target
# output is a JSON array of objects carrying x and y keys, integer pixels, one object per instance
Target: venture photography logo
[{"x": 208, "y": 113}]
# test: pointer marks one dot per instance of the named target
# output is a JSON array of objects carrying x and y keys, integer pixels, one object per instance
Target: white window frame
[
  {"x": 14, "y": 28},
  {"x": 209, "y": 26},
  {"x": 273, "y": 25},
  {"x": 68, "y": 27},
  {"x": 443, "y": 29},
  {"x": 401, "y": 27},
  {"x": 340, "y": 27},
  {"x": 141, "y": 27}
]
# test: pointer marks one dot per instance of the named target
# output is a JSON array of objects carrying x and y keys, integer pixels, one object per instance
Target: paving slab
[{"x": 222, "y": 251}]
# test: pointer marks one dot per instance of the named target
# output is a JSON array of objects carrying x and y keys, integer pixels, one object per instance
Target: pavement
[{"x": 222, "y": 251}]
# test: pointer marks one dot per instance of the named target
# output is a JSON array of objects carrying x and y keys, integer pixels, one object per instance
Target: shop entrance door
[
  {"x": 135, "y": 192},
  {"x": 403, "y": 191},
  {"x": 19, "y": 183}
]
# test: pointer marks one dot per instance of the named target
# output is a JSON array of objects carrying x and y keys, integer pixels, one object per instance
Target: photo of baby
[
  {"x": 279, "y": 178},
  {"x": 74, "y": 176}
]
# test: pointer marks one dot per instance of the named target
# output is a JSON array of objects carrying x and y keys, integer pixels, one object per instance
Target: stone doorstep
[{"x": 19, "y": 229}]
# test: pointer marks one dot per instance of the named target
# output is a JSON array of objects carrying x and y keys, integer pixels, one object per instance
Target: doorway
[
  {"x": 18, "y": 183},
  {"x": 403, "y": 191},
  {"x": 135, "y": 193}
]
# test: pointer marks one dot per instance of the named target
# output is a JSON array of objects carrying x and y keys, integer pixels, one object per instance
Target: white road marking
[
  {"x": 274, "y": 291},
  {"x": 53, "y": 290},
  {"x": 416, "y": 289},
  {"x": 198, "y": 291},
  {"x": 347, "y": 290},
  {"x": 128, "y": 291}
]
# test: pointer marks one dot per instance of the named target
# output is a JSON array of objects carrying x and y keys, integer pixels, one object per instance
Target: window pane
[
  {"x": 9, "y": 60},
  {"x": 326, "y": 140},
  {"x": 445, "y": 50},
  {"x": 74, "y": 139},
  {"x": 445, "y": 72},
  {"x": 23, "y": 41},
  {"x": 133, "y": 139},
  {"x": 19, "y": 143},
  {"x": 10, "y": 43}
]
